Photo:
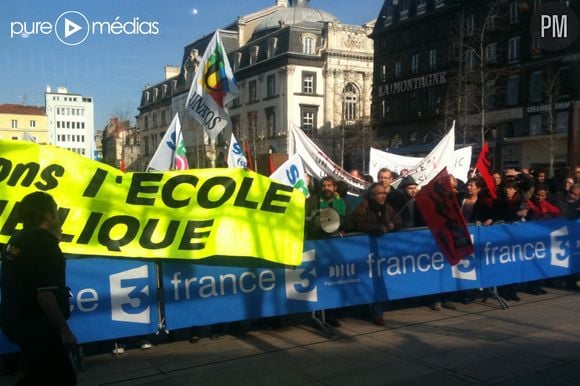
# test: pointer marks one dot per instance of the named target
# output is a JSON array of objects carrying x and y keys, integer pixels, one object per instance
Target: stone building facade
[{"x": 295, "y": 65}]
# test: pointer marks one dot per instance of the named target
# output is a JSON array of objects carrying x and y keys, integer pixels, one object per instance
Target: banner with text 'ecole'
[{"x": 187, "y": 214}]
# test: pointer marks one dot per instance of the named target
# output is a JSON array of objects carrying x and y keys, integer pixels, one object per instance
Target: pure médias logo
[{"x": 72, "y": 28}]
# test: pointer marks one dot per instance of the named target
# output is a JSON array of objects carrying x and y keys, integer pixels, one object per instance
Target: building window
[
  {"x": 403, "y": 9},
  {"x": 350, "y": 103},
  {"x": 514, "y": 49},
  {"x": 254, "y": 50},
  {"x": 536, "y": 124},
  {"x": 271, "y": 85},
  {"x": 272, "y": 46},
  {"x": 491, "y": 53},
  {"x": 513, "y": 90},
  {"x": 388, "y": 15},
  {"x": 562, "y": 122},
  {"x": 536, "y": 86},
  {"x": 489, "y": 97},
  {"x": 270, "y": 122},
  {"x": 398, "y": 69},
  {"x": 492, "y": 23},
  {"x": 439, "y": 3},
  {"x": 415, "y": 63},
  {"x": 383, "y": 108},
  {"x": 252, "y": 124},
  {"x": 236, "y": 126},
  {"x": 421, "y": 6},
  {"x": 237, "y": 61},
  {"x": 383, "y": 72},
  {"x": 308, "y": 45},
  {"x": 470, "y": 59},
  {"x": 308, "y": 119},
  {"x": 514, "y": 13},
  {"x": 433, "y": 59},
  {"x": 252, "y": 91},
  {"x": 470, "y": 25},
  {"x": 14, "y": 124},
  {"x": 433, "y": 97},
  {"x": 308, "y": 82}
]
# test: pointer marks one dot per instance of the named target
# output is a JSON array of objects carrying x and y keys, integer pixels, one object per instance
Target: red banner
[
  {"x": 441, "y": 212},
  {"x": 249, "y": 158},
  {"x": 483, "y": 166}
]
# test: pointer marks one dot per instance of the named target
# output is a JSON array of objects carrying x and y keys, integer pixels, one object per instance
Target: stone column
[
  {"x": 366, "y": 95},
  {"x": 337, "y": 98},
  {"x": 328, "y": 97}
]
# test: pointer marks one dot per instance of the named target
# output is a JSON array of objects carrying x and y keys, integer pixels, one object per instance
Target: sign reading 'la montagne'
[{"x": 413, "y": 84}]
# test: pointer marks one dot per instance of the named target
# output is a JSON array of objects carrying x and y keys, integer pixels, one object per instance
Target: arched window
[
  {"x": 350, "y": 103},
  {"x": 308, "y": 45}
]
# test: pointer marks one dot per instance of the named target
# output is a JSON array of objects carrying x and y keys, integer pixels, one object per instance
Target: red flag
[
  {"x": 440, "y": 209},
  {"x": 483, "y": 166},
  {"x": 248, "y": 155},
  {"x": 271, "y": 163}
]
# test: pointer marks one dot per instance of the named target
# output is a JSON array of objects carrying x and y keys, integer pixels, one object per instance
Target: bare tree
[
  {"x": 551, "y": 90},
  {"x": 478, "y": 67}
]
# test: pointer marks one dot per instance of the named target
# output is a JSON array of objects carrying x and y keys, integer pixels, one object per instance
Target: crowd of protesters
[{"x": 520, "y": 195}]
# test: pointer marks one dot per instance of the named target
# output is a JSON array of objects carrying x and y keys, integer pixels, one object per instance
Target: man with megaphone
[
  {"x": 325, "y": 215},
  {"x": 325, "y": 211}
]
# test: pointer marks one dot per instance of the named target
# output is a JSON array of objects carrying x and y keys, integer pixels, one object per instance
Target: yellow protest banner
[{"x": 190, "y": 214}]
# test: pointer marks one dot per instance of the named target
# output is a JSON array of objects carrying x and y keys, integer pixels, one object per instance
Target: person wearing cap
[
  {"x": 376, "y": 217},
  {"x": 404, "y": 203}
]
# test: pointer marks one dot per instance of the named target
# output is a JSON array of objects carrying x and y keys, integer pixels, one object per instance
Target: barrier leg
[
  {"x": 494, "y": 294},
  {"x": 321, "y": 323}
]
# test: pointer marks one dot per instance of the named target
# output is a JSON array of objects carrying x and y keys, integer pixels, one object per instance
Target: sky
[{"x": 114, "y": 67}]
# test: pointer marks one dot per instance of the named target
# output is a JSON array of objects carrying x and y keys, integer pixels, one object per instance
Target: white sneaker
[
  {"x": 118, "y": 350},
  {"x": 145, "y": 344}
]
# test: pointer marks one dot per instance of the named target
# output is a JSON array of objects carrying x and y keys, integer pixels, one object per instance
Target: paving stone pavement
[{"x": 534, "y": 342}]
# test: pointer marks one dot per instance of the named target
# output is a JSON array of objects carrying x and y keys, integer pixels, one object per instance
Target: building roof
[
  {"x": 296, "y": 13},
  {"x": 21, "y": 109}
]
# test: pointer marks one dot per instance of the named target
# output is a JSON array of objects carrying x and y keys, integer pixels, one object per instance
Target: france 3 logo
[
  {"x": 466, "y": 268},
  {"x": 301, "y": 281},
  {"x": 562, "y": 247},
  {"x": 130, "y": 297}
]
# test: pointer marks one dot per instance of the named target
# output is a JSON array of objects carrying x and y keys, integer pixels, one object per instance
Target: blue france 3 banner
[
  {"x": 114, "y": 298},
  {"x": 361, "y": 269}
]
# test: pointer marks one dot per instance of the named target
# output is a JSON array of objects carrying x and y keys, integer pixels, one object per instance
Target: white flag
[
  {"x": 212, "y": 88},
  {"x": 319, "y": 165},
  {"x": 440, "y": 157},
  {"x": 170, "y": 154},
  {"x": 291, "y": 173},
  {"x": 381, "y": 159},
  {"x": 236, "y": 157}
]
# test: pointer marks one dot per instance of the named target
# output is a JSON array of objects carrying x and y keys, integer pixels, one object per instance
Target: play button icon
[{"x": 71, "y": 28}]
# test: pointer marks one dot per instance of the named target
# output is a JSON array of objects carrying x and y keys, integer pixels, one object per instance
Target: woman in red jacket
[{"x": 539, "y": 207}]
